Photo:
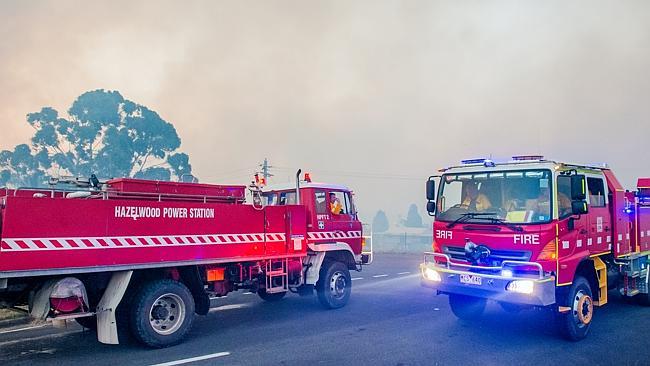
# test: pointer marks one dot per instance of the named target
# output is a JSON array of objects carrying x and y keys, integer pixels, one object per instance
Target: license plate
[{"x": 471, "y": 279}]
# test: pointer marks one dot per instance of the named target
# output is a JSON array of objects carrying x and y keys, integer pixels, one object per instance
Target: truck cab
[
  {"x": 332, "y": 219},
  {"x": 532, "y": 232}
]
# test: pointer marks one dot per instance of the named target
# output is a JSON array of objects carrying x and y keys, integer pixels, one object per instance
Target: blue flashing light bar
[
  {"x": 473, "y": 161},
  {"x": 527, "y": 157}
]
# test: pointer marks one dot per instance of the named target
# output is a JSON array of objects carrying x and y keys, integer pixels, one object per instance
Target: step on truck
[
  {"x": 140, "y": 257},
  {"x": 537, "y": 233}
]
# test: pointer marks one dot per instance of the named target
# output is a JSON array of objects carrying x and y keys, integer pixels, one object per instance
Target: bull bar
[{"x": 488, "y": 282}]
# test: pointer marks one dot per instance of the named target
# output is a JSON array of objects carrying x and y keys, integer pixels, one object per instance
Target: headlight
[
  {"x": 521, "y": 286},
  {"x": 432, "y": 275}
]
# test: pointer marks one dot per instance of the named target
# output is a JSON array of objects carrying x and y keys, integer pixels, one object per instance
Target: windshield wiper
[
  {"x": 498, "y": 220},
  {"x": 469, "y": 215}
]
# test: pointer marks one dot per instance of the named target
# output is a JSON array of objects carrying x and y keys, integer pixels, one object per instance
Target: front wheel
[
  {"x": 162, "y": 313},
  {"x": 334, "y": 285},
  {"x": 575, "y": 323},
  {"x": 467, "y": 307}
]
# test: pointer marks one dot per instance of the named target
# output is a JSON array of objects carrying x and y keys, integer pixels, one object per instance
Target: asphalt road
[{"x": 390, "y": 320}]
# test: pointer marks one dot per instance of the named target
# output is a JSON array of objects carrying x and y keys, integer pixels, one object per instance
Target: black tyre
[
  {"x": 277, "y": 296},
  {"x": 161, "y": 314},
  {"x": 88, "y": 322},
  {"x": 574, "y": 324},
  {"x": 467, "y": 307},
  {"x": 334, "y": 285}
]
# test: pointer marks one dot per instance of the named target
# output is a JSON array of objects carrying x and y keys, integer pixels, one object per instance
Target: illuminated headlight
[
  {"x": 506, "y": 273},
  {"x": 521, "y": 286},
  {"x": 432, "y": 275}
]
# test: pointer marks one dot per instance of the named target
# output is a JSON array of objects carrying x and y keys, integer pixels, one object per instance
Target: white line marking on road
[
  {"x": 22, "y": 329},
  {"x": 230, "y": 307},
  {"x": 193, "y": 359},
  {"x": 357, "y": 278},
  {"x": 249, "y": 293},
  {"x": 403, "y": 273},
  {"x": 381, "y": 275}
]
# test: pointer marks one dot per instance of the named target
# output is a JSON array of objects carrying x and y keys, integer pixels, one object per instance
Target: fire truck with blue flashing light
[
  {"x": 141, "y": 257},
  {"x": 532, "y": 232}
]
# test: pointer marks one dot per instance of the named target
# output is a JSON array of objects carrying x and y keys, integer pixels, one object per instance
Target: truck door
[
  {"x": 344, "y": 224},
  {"x": 599, "y": 218}
]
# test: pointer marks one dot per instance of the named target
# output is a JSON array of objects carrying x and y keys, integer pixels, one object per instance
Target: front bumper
[{"x": 487, "y": 282}]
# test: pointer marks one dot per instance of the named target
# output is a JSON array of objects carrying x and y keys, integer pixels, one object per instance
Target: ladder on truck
[{"x": 277, "y": 275}]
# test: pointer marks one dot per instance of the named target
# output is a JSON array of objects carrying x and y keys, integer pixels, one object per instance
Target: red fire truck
[
  {"x": 536, "y": 232},
  {"x": 144, "y": 256}
]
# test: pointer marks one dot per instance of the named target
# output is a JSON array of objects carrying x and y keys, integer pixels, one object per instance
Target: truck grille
[{"x": 495, "y": 258}]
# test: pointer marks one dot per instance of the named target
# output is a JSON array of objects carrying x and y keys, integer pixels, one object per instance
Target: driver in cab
[{"x": 475, "y": 201}]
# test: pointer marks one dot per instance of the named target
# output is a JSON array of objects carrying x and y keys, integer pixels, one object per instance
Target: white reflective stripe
[
  {"x": 620, "y": 237},
  {"x": 48, "y": 244},
  {"x": 565, "y": 244},
  {"x": 627, "y": 236},
  {"x": 11, "y": 244},
  {"x": 588, "y": 241},
  {"x": 609, "y": 239},
  {"x": 600, "y": 240},
  {"x": 31, "y": 244},
  {"x": 579, "y": 243}
]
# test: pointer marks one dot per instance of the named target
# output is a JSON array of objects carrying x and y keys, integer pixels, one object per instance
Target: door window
[
  {"x": 339, "y": 203},
  {"x": 321, "y": 202},
  {"x": 596, "y": 189}
]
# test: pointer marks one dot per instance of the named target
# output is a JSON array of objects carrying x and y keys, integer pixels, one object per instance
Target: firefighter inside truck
[{"x": 513, "y": 196}]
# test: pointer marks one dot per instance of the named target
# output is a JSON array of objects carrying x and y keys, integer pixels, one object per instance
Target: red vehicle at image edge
[
  {"x": 537, "y": 233},
  {"x": 144, "y": 256}
]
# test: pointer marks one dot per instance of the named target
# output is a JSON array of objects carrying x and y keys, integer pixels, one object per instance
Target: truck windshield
[{"x": 520, "y": 197}]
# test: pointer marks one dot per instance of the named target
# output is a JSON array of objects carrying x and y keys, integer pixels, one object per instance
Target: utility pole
[{"x": 265, "y": 170}]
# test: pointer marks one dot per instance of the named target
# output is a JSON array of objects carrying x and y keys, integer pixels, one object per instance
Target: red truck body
[
  {"x": 203, "y": 237},
  {"x": 533, "y": 232}
]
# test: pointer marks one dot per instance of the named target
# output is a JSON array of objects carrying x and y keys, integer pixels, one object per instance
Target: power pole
[{"x": 265, "y": 170}]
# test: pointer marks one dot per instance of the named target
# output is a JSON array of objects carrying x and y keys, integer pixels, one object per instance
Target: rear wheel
[
  {"x": 277, "y": 296},
  {"x": 334, "y": 285},
  {"x": 162, "y": 313},
  {"x": 575, "y": 323},
  {"x": 467, "y": 307}
]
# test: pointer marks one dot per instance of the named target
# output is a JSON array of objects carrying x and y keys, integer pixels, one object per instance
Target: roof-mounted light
[
  {"x": 307, "y": 177},
  {"x": 527, "y": 157},
  {"x": 473, "y": 161}
]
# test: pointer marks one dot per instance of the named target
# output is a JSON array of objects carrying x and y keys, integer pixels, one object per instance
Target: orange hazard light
[
  {"x": 549, "y": 252},
  {"x": 216, "y": 274}
]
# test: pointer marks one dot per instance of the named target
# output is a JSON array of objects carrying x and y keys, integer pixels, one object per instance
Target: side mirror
[
  {"x": 578, "y": 187},
  {"x": 431, "y": 190},
  {"x": 579, "y": 207},
  {"x": 431, "y": 208}
]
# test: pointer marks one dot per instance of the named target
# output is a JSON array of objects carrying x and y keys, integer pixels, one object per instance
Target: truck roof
[
  {"x": 289, "y": 186},
  {"x": 521, "y": 164}
]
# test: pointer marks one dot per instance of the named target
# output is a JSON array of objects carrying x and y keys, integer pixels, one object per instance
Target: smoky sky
[{"x": 376, "y": 95}]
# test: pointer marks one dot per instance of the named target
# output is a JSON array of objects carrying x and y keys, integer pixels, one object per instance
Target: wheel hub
[
  {"x": 338, "y": 285},
  {"x": 583, "y": 308},
  {"x": 167, "y": 314}
]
